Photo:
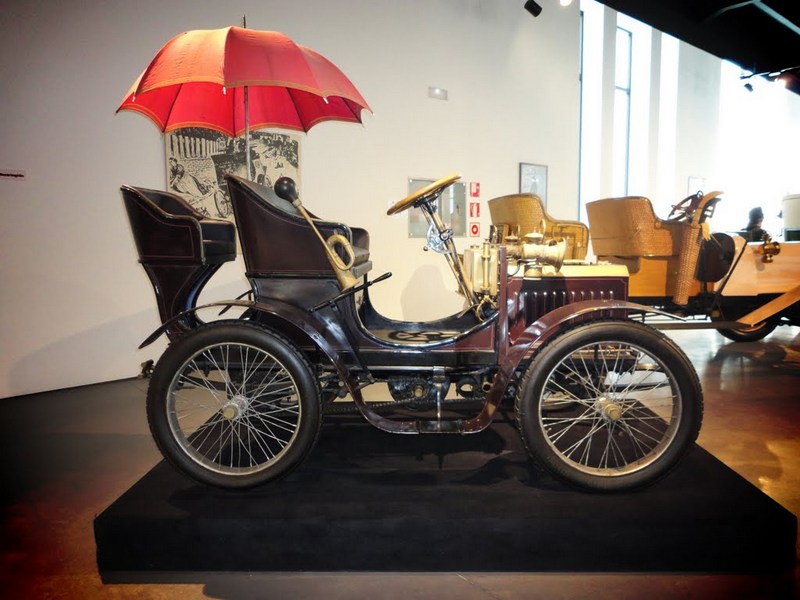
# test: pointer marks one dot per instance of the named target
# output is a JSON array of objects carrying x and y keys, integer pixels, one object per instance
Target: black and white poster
[{"x": 197, "y": 160}]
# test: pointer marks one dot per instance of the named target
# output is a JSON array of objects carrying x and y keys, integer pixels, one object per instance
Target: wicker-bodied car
[{"x": 742, "y": 288}]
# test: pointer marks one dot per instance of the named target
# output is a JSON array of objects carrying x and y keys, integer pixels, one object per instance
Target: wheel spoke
[
  {"x": 588, "y": 415},
  {"x": 608, "y": 408},
  {"x": 596, "y": 426},
  {"x": 234, "y": 408}
]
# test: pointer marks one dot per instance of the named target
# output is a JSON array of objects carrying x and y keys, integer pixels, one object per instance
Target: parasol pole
[
  {"x": 246, "y": 117},
  {"x": 247, "y": 131}
]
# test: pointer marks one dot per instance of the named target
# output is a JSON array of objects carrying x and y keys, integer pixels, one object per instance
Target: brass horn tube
[{"x": 342, "y": 270}]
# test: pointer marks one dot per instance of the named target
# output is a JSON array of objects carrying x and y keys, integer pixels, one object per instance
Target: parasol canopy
[{"x": 234, "y": 80}]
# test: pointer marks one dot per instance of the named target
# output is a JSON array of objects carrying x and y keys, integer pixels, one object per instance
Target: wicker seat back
[{"x": 525, "y": 213}]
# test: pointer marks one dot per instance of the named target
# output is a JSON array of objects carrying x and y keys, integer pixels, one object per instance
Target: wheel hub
[
  {"x": 608, "y": 409},
  {"x": 235, "y": 407}
]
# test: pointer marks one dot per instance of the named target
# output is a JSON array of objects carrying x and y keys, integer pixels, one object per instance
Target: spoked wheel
[
  {"x": 609, "y": 406},
  {"x": 234, "y": 405},
  {"x": 750, "y": 334}
]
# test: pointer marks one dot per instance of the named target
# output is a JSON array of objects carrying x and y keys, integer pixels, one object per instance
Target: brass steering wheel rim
[{"x": 432, "y": 189}]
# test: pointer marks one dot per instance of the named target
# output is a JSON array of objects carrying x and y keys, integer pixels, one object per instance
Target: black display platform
[{"x": 371, "y": 501}]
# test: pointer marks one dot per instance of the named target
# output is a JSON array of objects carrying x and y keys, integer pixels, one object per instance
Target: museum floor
[{"x": 68, "y": 455}]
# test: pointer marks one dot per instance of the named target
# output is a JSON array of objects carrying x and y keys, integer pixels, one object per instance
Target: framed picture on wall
[
  {"x": 198, "y": 158},
  {"x": 533, "y": 180}
]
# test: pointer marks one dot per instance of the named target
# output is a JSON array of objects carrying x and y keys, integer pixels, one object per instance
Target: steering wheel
[
  {"x": 681, "y": 210},
  {"x": 425, "y": 194}
]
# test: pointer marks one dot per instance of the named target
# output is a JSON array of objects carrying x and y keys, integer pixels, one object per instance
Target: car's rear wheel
[{"x": 234, "y": 405}]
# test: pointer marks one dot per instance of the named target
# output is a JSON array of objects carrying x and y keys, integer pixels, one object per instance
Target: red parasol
[{"x": 234, "y": 80}]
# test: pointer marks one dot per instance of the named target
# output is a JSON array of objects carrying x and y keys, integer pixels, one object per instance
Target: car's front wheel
[{"x": 609, "y": 405}]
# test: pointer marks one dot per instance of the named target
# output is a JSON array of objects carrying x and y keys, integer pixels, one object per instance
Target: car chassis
[{"x": 601, "y": 399}]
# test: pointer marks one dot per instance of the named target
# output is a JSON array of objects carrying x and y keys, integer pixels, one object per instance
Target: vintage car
[
  {"x": 743, "y": 289},
  {"x": 601, "y": 399}
]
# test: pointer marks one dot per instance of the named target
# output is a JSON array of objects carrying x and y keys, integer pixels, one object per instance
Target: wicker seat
[
  {"x": 524, "y": 213},
  {"x": 629, "y": 227},
  {"x": 661, "y": 255}
]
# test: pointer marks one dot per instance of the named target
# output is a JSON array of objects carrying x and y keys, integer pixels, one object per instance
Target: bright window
[{"x": 622, "y": 113}]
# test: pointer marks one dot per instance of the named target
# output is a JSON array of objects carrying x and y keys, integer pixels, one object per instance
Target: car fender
[
  {"x": 288, "y": 314},
  {"x": 549, "y": 326}
]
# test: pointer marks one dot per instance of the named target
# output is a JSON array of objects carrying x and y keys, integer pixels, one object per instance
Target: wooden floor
[{"x": 68, "y": 454}]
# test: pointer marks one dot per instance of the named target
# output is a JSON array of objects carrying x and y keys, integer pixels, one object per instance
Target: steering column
[{"x": 440, "y": 237}]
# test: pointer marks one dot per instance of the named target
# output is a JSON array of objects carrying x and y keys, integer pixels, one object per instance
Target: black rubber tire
[
  {"x": 556, "y": 404},
  {"x": 253, "y": 399},
  {"x": 753, "y": 334}
]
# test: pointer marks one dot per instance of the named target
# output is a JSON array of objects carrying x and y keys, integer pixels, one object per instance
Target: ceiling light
[
  {"x": 437, "y": 93},
  {"x": 783, "y": 77}
]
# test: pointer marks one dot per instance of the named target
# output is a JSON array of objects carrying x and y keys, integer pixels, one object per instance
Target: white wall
[
  {"x": 698, "y": 119},
  {"x": 75, "y": 303},
  {"x": 701, "y": 124}
]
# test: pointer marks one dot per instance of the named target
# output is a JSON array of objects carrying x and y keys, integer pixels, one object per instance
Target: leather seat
[
  {"x": 278, "y": 242},
  {"x": 167, "y": 229}
]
